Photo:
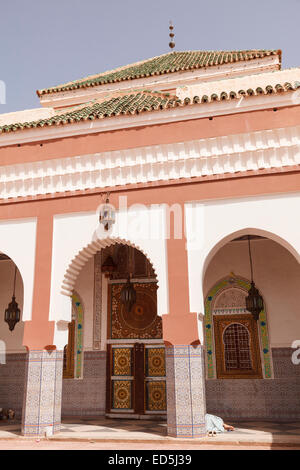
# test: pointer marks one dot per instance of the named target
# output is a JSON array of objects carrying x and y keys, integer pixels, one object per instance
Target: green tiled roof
[
  {"x": 141, "y": 101},
  {"x": 167, "y": 63},
  {"x": 134, "y": 103}
]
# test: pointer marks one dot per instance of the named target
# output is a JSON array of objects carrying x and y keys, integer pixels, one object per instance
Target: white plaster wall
[
  {"x": 210, "y": 225},
  {"x": 13, "y": 340},
  {"x": 143, "y": 227},
  {"x": 85, "y": 288},
  {"x": 276, "y": 274},
  {"x": 18, "y": 241}
]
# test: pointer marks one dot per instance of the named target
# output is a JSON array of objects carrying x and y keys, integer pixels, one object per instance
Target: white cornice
[
  {"x": 179, "y": 113},
  {"x": 274, "y": 148}
]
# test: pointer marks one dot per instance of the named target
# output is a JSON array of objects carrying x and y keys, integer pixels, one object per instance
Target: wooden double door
[{"x": 136, "y": 379}]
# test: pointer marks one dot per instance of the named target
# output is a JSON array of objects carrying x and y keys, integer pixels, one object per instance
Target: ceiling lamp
[
  {"x": 107, "y": 215},
  {"x": 254, "y": 301},
  {"x": 128, "y": 296},
  {"x": 108, "y": 267},
  {"x": 12, "y": 314}
]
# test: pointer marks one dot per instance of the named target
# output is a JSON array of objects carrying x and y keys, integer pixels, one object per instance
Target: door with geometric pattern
[{"x": 136, "y": 379}]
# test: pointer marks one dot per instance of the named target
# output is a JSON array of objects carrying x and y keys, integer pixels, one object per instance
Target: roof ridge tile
[{"x": 166, "y": 63}]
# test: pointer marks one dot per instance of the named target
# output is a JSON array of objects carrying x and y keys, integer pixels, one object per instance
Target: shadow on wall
[{"x": 12, "y": 351}]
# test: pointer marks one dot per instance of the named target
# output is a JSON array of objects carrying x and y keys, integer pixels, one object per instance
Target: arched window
[
  {"x": 237, "y": 352},
  {"x": 237, "y": 346}
]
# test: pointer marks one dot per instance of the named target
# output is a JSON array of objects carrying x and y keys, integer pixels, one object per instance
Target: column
[
  {"x": 43, "y": 378},
  {"x": 186, "y": 403},
  {"x": 185, "y": 391},
  {"x": 39, "y": 332},
  {"x": 43, "y": 392}
]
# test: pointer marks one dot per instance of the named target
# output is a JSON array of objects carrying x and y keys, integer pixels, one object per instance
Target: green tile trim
[
  {"x": 208, "y": 326},
  {"x": 78, "y": 307}
]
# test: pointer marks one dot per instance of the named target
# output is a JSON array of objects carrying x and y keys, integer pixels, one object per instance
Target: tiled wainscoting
[
  {"x": 185, "y": 391},
  {"x": 247, "y": 399},
  {"x": 12, "y": 382},
  {"x": 86, "y": 396},
  {"x": 259, "y": 399}
]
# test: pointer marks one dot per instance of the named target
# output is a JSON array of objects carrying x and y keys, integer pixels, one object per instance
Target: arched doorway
[
  {"x": 116, "y": 355},
  {"x": 136, "y": 384},
  {"x": 13, "y": 353},
  {"x": 237, "y": 346},
  {"x": 249, "y": 369}
]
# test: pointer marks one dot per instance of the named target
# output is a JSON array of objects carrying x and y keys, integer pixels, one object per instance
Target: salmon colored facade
[{"x": 198, "y": 159}]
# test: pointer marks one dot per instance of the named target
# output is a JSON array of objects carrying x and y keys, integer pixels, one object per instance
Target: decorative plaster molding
[
  {"x": 274, "y": 148},
  {"x": 97, "y": 300},
  {"x": 179, "y": 113}
]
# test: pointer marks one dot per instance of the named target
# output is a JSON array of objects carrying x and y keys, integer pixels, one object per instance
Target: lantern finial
[{"x": 172, "y": 35}]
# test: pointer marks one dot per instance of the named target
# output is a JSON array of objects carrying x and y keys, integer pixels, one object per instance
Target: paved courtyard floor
[{"x": 152, "y": 433}]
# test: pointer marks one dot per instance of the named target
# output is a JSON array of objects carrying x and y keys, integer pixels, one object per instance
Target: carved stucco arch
[{"x": 78, "y": 262}]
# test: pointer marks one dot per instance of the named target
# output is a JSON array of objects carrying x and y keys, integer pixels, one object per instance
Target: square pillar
[
  {"x": 185, "y": 391},
  {"x": 42, "y": 395}
]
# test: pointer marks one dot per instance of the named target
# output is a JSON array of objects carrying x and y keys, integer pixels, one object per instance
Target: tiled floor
[{"x": 101, "y": 429}]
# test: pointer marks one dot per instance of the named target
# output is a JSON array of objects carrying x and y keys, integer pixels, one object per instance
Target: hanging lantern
[
  {"x": 128, "y": 296},
  {"x": 254, "y": 301},
  {"x": 108, "y": 267},
  {"x": 12, "y": 314},
  {"x": 107, "y": 215}
]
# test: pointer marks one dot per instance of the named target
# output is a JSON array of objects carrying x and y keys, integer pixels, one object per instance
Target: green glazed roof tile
[
  {"x": 167, "y": 63},
  {"x": 141, "y": 101}
]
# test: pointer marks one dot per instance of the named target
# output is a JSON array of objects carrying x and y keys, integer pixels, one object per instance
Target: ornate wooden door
[
  {"x": 69, "y": 352},
  {"x": 155, "y": 379},
  {"x": 136, "y": 379},
  {"x": 136, "y": 382}
]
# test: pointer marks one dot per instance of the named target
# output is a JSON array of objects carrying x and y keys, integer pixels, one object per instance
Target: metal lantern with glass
[
  {"x": 107, "y": 215},
  {"x": 254, "y": 301},
  {"x": 12, "y": 314}
]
